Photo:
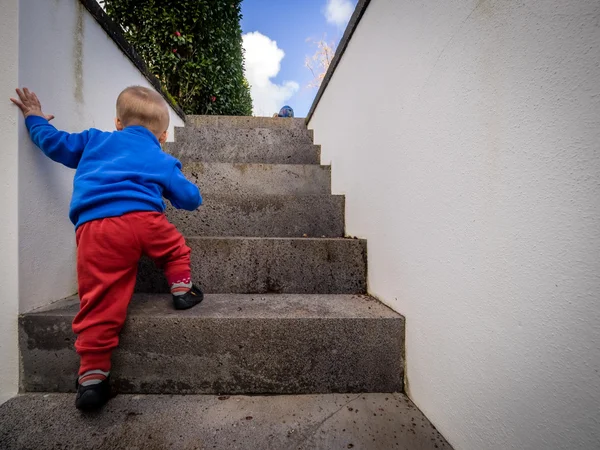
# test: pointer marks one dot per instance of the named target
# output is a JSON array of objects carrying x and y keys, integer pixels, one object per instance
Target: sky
[{"x": 278, "y": 35}]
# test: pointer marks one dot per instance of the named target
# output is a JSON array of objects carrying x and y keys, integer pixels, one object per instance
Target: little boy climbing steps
[{"x": 118, "y": 211}]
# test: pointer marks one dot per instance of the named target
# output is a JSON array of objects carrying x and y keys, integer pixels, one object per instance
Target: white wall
[
  {"x": 57, "y": 49},
  {"x": 466, "y": 136},
  {"x": 9, "y": 225},
  {"x": 77, "y": 72}
]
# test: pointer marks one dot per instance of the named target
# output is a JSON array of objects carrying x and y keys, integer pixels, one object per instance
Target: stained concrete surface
[
  {"x": 218, "y": 135},
  {"x": 234, "y": 344},
  {"x": 263, "y": 216},
  {"x": 311, "y": 422},
  {"x": 266, "y": 141},
  {"x": 262, "y": 146},
  {"x": 246, "y": 122},
  {"x": 259, "y": 179},
  {"x": 270, "y": 265}
]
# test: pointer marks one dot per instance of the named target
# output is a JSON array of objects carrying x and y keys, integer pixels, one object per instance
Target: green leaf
[{"x": 209, "y": 58}]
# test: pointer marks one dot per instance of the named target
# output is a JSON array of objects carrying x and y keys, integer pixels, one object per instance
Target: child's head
[{"x": 138, "y": 105}]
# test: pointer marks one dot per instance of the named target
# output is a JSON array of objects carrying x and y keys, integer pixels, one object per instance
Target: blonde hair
[{"x": 138, "y": 105}]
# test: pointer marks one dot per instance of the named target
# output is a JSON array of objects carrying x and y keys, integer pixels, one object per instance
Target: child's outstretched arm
[
  {"x": 60, "y": 146},
  {"x": 182, "y": 193}
]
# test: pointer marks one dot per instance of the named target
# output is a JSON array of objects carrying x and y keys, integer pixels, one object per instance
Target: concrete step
[
  {"x": 228, "y": 122},
  {"x": 229, "y": 344},
  {"x": 279, "y": 265},
  {"x": 253, "y": 145},
  {"x": 154, "y": 422},
  {"x": 260, "y": 179},
  {"x": 263, "y": 216},
  {"x": 257, "y": 136}
]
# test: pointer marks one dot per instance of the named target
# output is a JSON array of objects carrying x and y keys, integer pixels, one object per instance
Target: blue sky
[{"x": 277, "y": 39}]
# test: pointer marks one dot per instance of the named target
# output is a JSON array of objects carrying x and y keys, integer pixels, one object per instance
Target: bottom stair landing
[{"x": 157, "y": 422}]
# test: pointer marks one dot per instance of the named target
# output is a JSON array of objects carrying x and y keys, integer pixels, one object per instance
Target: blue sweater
[{"x": 117, "y": 172}]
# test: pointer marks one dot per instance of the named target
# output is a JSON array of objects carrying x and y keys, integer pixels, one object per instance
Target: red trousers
[{"x": 108, "y": 252}]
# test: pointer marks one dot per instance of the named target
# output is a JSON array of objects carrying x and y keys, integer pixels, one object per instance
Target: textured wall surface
[
  {"x": 466, "y": 137},
  {"x": 9, "y": 225},
  {"x": 77, "y": 72}
]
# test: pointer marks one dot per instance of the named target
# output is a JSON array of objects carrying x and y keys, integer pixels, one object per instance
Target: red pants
[{"x": 108, "y": 252}]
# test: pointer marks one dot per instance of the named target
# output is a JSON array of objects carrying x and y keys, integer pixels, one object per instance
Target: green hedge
[{"x": 194, "y": 47}]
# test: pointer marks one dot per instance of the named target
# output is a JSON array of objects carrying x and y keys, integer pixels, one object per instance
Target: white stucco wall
[
  {"x": 77, "y": 72},
  {"x": 9, "y": 225},
  {"x": 466, "y": 137}
]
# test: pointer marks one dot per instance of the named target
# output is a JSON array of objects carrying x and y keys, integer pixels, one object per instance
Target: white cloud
[
  {"x": 338, "y": 12},
  {"x": 263, "y": 62}
]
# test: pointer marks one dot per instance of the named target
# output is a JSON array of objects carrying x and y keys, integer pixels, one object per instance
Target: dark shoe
[
  {"x": 189, "y": 299},
  {"x": 93, "y": 396}
]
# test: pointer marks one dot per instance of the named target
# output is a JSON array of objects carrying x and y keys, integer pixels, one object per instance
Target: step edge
[
  {"x": 275, "y": 238},
  {"x": 244, "y": 195},
  {"x": 256, "y": 164},
  {"x": 65, "y": 308}
]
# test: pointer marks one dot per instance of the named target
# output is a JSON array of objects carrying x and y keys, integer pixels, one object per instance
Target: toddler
[{"x": 118, "y": 211}]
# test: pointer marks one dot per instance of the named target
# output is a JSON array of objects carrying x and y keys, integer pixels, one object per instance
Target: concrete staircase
[{"x": 286, "y": 310}]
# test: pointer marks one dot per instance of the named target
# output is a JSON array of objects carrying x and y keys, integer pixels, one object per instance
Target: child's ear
[
  {"x": 118, "y": 124},
  {"x": 163, "y": 137}
]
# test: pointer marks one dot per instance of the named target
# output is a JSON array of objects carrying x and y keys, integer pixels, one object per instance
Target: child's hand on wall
[{"x": 29, "y": 104}]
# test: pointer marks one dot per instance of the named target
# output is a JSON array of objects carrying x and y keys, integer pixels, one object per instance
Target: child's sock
[
  {"x": 92, "y": 377},
  {"x": 180, "y": 283}
]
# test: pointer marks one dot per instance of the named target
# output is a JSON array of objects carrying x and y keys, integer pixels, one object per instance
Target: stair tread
[
  {"x": 250, "y": 196},
  {"x": 261, "y": 127},
  {"x": 245, "y": 306},
  {"x": 269, "y": 238},
  {"x": 259, "y": 422},
  {"x": 256, "y": 165},
  {"x": 245, "y": 122},
  {"x": 229, "y": 344}
]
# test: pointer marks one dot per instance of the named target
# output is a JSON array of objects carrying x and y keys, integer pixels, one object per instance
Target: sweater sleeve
[
  {"x": 182, "y": 193},
  {"x": 60, "y": 146}
]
